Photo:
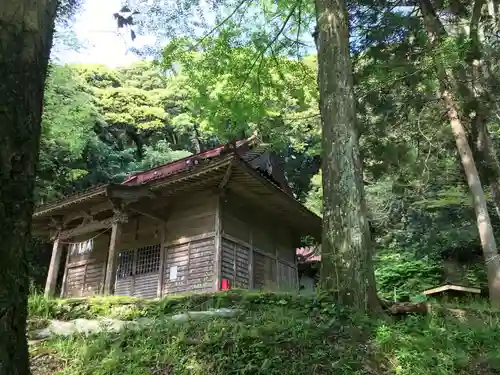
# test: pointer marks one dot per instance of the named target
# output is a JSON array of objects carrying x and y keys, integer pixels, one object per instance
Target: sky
[
  {"x": 103, "y": 43},
  {"x": 96, "y": 28}
]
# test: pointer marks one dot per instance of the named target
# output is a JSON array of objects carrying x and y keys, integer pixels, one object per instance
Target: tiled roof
[
  {"x": 140, "y": 178},
  {"x": 92, "y": 190},
  {"x": 179, "y": 165}
]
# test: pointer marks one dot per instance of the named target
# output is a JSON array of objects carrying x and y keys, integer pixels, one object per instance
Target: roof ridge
[{"x": 242, "y": 142}]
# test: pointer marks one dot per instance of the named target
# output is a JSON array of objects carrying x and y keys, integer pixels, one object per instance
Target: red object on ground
[{"x": 226, "y": 284}]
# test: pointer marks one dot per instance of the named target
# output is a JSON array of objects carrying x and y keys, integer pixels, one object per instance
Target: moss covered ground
[{"x": 273, "y": 334}]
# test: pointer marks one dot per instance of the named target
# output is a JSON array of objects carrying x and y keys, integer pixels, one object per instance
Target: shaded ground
[{"x": 46, "y": 361}]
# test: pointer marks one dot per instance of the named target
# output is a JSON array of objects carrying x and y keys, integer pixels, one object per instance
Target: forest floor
[{"x": 270, "y": 334}]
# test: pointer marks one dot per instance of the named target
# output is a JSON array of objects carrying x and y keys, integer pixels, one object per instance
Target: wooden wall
[
  {"x": 193, "y": 262},
  {"x": 158, "y": 259},
  {"x": 184, "y": 250},
  {"x": 235, "y": 263},
  {"x": 139, "y": 252},
  {"x": 148, "y": 253},
  {"x": 258, "y": 251},
  {"x": 190, "y": 245}
]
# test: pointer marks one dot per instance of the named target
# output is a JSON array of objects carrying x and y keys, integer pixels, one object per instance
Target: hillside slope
[{"x": 272, "y": 334}]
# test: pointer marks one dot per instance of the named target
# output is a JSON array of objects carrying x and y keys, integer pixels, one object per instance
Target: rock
[
  {"x": 84, "y": 326},
  {"x": 90, "y": 326}
]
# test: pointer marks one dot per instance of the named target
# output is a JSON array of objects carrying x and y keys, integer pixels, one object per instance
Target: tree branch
[
  {"x": 299, "y": 16},
  {"x": 260, "y": 55},
  {"x": 240, "y": 4}
]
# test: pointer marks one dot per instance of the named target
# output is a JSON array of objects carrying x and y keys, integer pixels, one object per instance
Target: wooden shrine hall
[{"x": 226, "y": 215}]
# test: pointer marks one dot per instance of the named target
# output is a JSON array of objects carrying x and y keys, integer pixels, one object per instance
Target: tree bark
[
  {"x": 489, "y": 165},
  {"x": 26, "y": 29},
  {"x": 346, "y": 249},
  {"x": 446, "y": 80}
]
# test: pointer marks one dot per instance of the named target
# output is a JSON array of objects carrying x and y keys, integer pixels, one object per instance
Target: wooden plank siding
[
  {"x": 265, "y": 276},
  {"x": 139, "y": 257},
  {"x": 235, "y": 261},
  {"x": 190, "y": 246},
  {"x": 138, "y": 272},
  {"x": 287, "y": 277},
  {"x": 194, "y": 263},
  {"x": 185, "y": 242},
  {"x": 257, "y": 252}
]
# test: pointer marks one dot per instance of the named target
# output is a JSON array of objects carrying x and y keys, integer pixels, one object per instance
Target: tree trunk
[
  {"x": 490, "y": 167},
  {"x": 26, "y": 29},
  {"x": 486, "y": 234},
  {"x": 346, "y": 249},
  {"x": 446, "y": 80}
]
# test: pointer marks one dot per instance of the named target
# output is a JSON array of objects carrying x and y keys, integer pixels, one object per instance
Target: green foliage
[
  {"x": 130, "y": 106},
  {"x": 128, "y": 308},
  {"x": 260, "y": 343},
  {"x": 236, "y": 88},
  {"x": 402, "y": 275},
  {"x": 314, "y": 198},
  {"x": 68, "y": 120},
  {"x": 68, "y": 114},
  {"x": 100, "y": 124},
  {"x": 158, "y": 154},
  {"x": 440, "y": 345},
  {"x": 415, "y": 233},
  {"x": 98, "y": 76}
]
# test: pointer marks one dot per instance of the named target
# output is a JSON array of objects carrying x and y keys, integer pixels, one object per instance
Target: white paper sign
[{"x": 173, "y": 273}]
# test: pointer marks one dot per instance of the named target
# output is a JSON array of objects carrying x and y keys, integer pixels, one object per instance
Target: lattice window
[
  {"x": 148, "y": 259},
  {"x": 139, "y": 261},
  {"x": 125, "y": 264}
]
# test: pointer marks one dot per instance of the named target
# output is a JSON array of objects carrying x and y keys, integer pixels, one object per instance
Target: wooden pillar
[
  {"x": 235, "y": 251},
  {"x": 55, "y": 261},
  {"x": 296, "y": 262},
  {"x": 218, "y": 247},
  {"x": 65, "y": 275},
  {"x": 112, "y": 264},
  {"x": 163, "y": 255},
  {"x": 276, "y": 251},
  {"x": 250, "y": 263}
]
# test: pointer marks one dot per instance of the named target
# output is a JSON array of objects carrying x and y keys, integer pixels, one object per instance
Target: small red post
[{"x": 226, "y": 284}]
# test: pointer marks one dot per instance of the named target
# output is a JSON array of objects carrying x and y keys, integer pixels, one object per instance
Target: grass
[
  {"x": 276, "y": 334},
  {"x": 127, "y": 308}
]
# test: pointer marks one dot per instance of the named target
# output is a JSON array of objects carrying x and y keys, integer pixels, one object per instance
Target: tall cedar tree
[
  {"x": 346, "y": 251},
  {"x": 26, "y": 31}
]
